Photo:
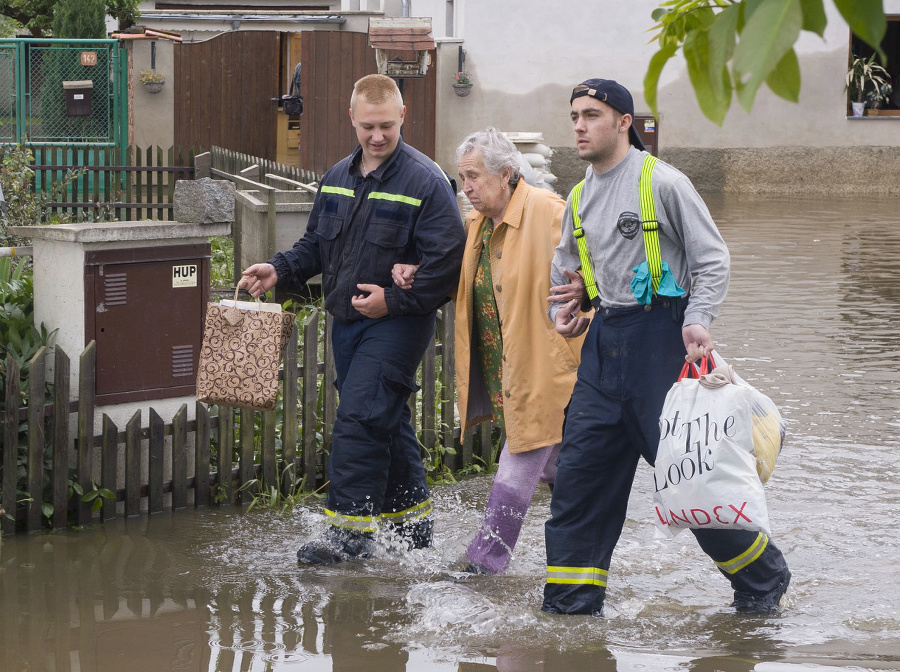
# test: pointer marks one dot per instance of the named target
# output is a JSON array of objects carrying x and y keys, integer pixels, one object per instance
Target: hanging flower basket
[
  {"x": 462, "y": 83},
  {"x": 153, "y": 87},
  {"x": 152, "y": 80}
]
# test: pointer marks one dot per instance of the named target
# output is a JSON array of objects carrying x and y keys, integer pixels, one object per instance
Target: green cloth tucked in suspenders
[{"x": 648, "y": 221}]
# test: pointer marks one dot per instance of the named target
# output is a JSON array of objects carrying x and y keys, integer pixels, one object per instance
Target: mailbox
[
  {"x": 78, "y": 97},
  {"x": 145, "y": 308}
]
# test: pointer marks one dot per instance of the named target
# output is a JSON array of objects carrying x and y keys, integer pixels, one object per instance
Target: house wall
[
  {"x": 202, "y": 24},
  {"x": 152, "y": 112},
  {"x": 525, "y": 62},
  {"x": 525, "y": 59},
  {"x": 152, "y": 115}
]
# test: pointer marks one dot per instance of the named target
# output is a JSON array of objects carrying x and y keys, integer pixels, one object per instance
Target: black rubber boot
[
  {"x": 573, "y": 599},
  {"x": 334, "y": 546},
  {"x": 755, "y": 603},
  {"x": 416, "y": 533}
]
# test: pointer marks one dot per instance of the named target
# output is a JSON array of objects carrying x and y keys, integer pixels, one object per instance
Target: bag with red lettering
[{"x": 719, "y": 438}]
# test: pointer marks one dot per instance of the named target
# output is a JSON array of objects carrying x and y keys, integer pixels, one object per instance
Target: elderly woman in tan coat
[{"x": 511, "y": 364}]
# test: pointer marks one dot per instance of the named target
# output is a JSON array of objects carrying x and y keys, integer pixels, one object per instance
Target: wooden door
[
  {"x": 332, "y": 62},
  {"x": 223, "y": 92}
]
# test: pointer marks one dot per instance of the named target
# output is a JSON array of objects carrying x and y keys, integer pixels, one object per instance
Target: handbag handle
[
  {"x": 690, "y": 368},
  {"x": 236, "y": 290}
]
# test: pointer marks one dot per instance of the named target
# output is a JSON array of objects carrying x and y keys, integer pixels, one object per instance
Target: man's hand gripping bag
[{"x": 719, "y": 438}]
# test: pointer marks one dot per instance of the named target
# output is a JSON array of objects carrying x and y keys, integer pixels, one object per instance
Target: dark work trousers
[
  {"x": 375, "y": 466},
  {"x": 630, "y": 359}
]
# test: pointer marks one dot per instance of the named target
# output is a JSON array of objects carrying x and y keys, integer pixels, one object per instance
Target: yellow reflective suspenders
[
  {"x": 649, "y": 224},
  {"x": 587, "y": 264}
]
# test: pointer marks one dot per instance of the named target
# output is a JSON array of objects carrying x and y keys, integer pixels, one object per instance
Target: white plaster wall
[
  {"x": 153, "y": 112},
  {"x": 818, "y": 119},
  {"x": 526, "y": 57},
  {"x": 59, "y": 298},
  {"x": 437, "y": 10}
]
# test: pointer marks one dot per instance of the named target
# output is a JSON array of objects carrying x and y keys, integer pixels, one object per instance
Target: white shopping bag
[{"x": 706, "y": 474}]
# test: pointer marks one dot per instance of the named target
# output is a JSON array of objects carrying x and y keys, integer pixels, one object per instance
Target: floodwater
[{"x": 811, "y": 318}]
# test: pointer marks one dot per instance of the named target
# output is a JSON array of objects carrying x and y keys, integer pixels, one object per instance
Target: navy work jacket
[{"x": 404, "y": 211}]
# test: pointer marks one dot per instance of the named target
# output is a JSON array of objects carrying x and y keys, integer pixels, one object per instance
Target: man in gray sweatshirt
[{"x": 656, "y": 271}]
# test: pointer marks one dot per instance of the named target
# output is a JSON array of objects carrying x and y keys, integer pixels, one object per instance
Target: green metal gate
[{"x": 72, "y": 92}]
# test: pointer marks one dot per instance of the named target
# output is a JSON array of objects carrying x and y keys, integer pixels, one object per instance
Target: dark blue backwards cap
[{"x": 613, "y": 94}]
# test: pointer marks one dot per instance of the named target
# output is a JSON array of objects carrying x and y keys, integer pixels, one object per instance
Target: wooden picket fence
[
  {"x": 232, "y": 460},
  {"x": 91, "y": 183}
]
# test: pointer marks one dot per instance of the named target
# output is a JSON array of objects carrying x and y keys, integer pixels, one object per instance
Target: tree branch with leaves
[{"x": 732, "y": 47}]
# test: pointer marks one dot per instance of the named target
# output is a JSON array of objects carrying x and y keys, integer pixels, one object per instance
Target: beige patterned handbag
[{"x": 240, "y": 355}]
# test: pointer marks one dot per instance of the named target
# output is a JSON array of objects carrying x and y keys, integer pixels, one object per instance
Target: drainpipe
[{"x": 404, "y": 8}]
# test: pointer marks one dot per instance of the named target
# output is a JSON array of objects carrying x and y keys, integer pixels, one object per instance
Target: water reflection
[{"x": 811, "y": 318}]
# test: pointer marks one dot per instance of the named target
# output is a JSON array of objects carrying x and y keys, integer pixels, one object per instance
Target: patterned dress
[{"x": 487, "y": 339}]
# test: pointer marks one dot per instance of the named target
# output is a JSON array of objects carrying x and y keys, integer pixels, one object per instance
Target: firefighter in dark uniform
[
  {"x": 386, "y": 203},
  {"x": 656, "y": 279}
]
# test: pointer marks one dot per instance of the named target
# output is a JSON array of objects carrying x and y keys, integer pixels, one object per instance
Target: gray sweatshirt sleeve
[
  {"x": 705, "y": 251},
  {"x": 566, "y": 256}
]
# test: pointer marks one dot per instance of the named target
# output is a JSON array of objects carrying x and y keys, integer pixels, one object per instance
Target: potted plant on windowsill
[
  {"x": 152, "y": 80},
  {"x": 864, "y": 77},
  {"x": 462, "y": 83},
  {"x": 877, "y": 98}
]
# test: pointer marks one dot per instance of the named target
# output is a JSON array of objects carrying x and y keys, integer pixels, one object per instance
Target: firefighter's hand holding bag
[
  {"x": 241, "y": 353},
  {"x": 719, "y": 439}
]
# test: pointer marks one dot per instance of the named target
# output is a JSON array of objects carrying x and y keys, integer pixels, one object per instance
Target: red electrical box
[{"x": 145, "y": 308}]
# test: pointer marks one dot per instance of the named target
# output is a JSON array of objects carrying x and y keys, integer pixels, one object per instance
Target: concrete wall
[
  {"x": 203, "y": 25},
  {"x": 152, "y": 113},
  {"x": 251, "y": 210},
  {"x": 525, "y": 62}
]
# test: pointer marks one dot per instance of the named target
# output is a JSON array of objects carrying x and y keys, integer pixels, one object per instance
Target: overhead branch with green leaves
[{"x": 732, "y": 47}]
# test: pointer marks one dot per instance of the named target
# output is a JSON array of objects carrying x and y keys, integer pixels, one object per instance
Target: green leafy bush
[
  {"x": 24, "y": 206},
  {"x": 221, "y": 267},
  {"x": 20, "y": 340}
]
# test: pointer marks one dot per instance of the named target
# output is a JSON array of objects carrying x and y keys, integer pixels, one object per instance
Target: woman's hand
[
  {"x": 574, "y": 290},
  {"x": 404, "y": 274}
]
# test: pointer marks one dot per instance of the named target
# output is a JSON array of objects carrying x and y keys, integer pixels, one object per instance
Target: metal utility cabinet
[{"x": 144, "y": 307}]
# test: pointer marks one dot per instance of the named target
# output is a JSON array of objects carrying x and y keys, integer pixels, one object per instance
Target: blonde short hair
[{"x": 375, "y": 90}]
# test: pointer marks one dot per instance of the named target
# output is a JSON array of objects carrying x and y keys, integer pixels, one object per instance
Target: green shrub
[
  {"x": 221, "y": 266},
  {"x": 24, "y": 207},
  {"x": 20, "y": 340}
]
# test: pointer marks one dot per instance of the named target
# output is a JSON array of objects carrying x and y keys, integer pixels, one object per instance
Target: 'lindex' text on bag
[
  {"x": 698, "y": 434},
  {"x": 730, "y": 515}
]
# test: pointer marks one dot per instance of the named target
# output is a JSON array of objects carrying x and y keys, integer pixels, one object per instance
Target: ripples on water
[{"x": 811, "y": 318}]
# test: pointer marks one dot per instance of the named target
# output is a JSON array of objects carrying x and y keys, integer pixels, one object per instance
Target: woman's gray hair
[{"x": 497, "y": 152}]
